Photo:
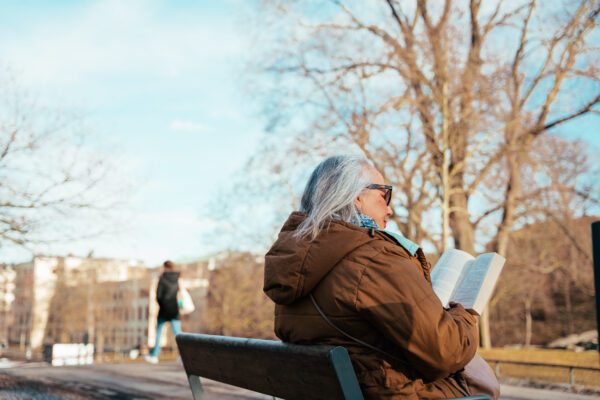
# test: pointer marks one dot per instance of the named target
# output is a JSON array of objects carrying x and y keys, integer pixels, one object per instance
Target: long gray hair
[{"x": 330, "y": 193}]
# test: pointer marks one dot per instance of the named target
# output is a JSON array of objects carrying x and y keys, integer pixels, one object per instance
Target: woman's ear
[{"x": 357, "y": 203}]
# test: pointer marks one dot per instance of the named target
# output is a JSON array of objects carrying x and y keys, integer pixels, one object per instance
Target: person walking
[{"x": 168, "y": 308}]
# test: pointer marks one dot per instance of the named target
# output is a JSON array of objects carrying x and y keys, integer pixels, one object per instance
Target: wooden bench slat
[{"x": 279, "y": 369}]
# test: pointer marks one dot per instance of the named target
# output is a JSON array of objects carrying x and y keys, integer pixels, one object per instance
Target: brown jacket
[{"x": 374, "y": 290}]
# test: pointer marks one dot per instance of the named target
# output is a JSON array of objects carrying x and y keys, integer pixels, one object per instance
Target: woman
[
  {"x": 338, "y": 279},
  {"x": 168, "y": 308}
]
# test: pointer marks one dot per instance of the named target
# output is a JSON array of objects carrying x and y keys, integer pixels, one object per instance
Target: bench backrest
[{"x": 279, "y": 369}]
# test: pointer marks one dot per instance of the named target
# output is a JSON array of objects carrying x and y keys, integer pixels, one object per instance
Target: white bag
[{"x": 184, "y": 300}]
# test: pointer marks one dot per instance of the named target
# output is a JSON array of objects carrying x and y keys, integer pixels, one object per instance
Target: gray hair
[{"x": 330, "y": 193}]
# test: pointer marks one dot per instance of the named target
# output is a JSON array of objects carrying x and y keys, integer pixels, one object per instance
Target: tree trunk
[
  {"x": 485, "y": 337},
  {"x": 90, "y": 309},
  {"x": 512, "y": 192},
  {"x": 568, "y": 304},
  {"x": 462, "y": 228},
  {"x": 445, "y": 173},
  {"x": 100, "y": 343},
  {"x": 513, "y": 189},
  {"x": 464, "y": 239},
  {"x": 528, "y": 322}
]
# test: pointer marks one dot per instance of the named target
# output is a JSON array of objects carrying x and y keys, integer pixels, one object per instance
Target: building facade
[
  {"x": 7, "y": 297},
  {"x": 121, "y": 315},
  {"x": 109, "y": 303},
  {"x": 55, "y": 298}
]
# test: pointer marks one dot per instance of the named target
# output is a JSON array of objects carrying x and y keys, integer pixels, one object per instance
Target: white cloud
[{"x": 189, "y": 126}]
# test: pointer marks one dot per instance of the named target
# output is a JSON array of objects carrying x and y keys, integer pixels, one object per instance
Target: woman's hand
[{"x": 452, "y": 304}]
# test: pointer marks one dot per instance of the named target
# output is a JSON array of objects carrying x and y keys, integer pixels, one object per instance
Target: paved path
[
  {"x": 525, "y": 393},
  {"x": 111, "y": 381},
  {"x": 143, "y": 381}
]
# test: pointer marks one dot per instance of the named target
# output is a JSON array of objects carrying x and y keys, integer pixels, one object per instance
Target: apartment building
[
  {"x": 7, "y": 298},
  {"x": 55, "y": 298},
  {"x": 121, "y": 315},
  {"x": 107, "y": 302}
]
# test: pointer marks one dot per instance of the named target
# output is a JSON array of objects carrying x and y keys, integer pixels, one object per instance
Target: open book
[{"x": 464, "y": 279}]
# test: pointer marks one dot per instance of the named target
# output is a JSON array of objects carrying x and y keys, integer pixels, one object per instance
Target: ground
[{"x": 141, "y": 381}]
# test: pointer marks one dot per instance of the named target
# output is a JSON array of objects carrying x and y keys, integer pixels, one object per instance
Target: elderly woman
[{"x": 338, "y": 278}]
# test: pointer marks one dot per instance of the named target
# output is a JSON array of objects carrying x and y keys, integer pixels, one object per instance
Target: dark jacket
[
  {"x": 166, "y": 295},
  {"x": 374, "y": 290}
]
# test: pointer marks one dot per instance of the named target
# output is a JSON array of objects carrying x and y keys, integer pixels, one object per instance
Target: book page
[
  {"x": 447, "y": 272},
  {"x": 477, "y": 286}
]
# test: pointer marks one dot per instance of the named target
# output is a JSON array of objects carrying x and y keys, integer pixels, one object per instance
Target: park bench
[{"x": 282, "y": 370}]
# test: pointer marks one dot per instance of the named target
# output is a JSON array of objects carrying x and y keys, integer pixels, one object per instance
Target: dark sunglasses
[{"x": 386, "y": 189}]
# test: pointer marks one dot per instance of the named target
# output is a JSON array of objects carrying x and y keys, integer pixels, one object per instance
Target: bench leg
[{"x": 196, "y": 387}]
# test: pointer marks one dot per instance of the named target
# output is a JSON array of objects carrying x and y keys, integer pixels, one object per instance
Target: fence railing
[{"x": 496, "y": 363}]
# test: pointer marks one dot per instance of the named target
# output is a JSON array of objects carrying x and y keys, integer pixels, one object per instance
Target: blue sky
[
  {"x": 158, "y": 81},
  {"x": 162, "y": 82}
]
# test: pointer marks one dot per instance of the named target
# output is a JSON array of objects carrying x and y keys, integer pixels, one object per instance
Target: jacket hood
[
  {"x": 294, "y": 267},
  {"x": 170, "y": 276}
]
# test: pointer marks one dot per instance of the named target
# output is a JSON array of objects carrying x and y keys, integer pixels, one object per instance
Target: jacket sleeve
[
  {"x": 396, "y": 298},
  {"x": 160, "y": 291}
]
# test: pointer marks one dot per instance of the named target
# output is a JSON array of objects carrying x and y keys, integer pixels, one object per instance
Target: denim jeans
[{"x": 175, "y": 327}]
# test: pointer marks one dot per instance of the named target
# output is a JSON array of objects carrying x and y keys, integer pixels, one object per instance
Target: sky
[{"x": 159, "y": 80}]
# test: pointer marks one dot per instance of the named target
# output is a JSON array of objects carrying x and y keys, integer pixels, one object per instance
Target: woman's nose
[{"x": 389, "y": 211}]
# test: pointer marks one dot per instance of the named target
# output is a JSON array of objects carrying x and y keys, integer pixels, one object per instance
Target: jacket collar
[{"x": 367, "y": 222}]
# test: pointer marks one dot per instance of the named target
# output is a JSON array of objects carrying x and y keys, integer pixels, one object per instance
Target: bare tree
[
  {"x": 236, "y": 306},
  {"x": 546, "y": 289},
  {"x": 51, "y": 174},
  {"x": 446, "y": 98}
]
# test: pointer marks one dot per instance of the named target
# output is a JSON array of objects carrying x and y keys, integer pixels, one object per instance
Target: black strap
[{"x": 349, "y": 336}]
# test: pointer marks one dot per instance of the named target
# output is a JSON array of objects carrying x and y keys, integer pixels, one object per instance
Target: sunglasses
[{"x": 386, "y": 189}]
